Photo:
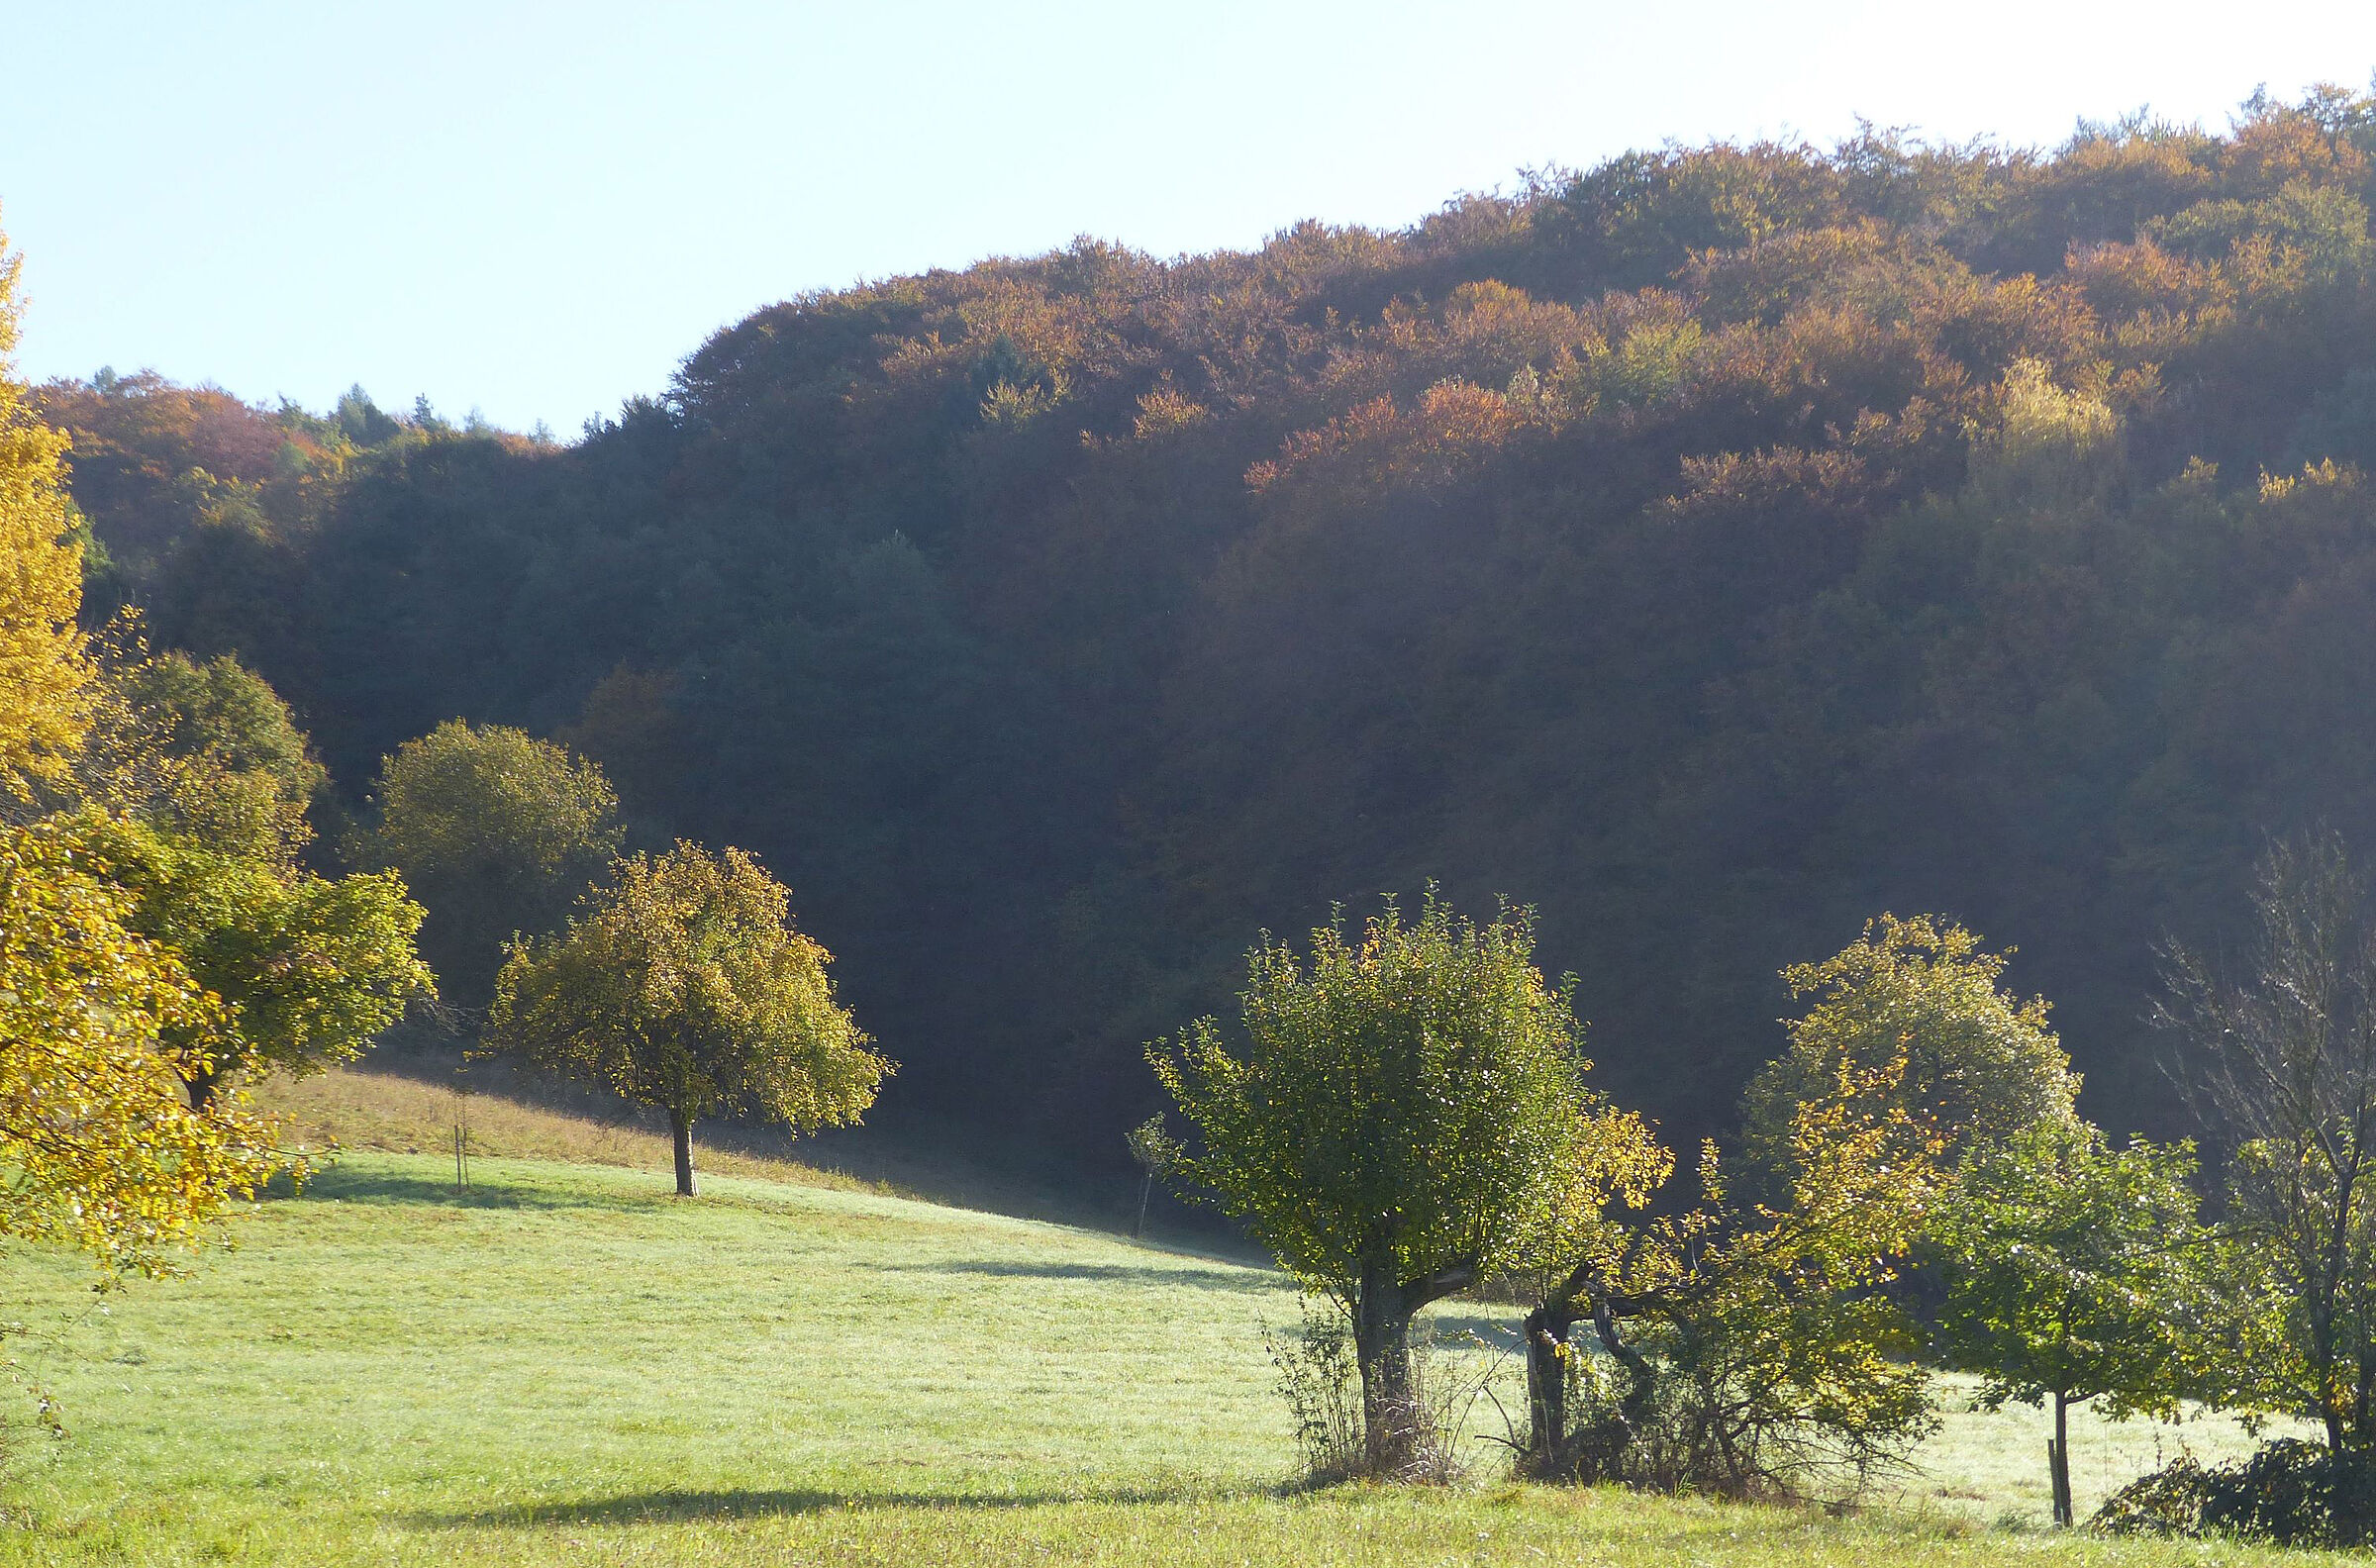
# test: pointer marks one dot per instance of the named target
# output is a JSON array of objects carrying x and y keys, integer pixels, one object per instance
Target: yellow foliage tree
[
  {"x": 103, "y": 1149},
  {"x": 683, "y": 985},
  {"x": 100, "y": 1146},
  {"x": 42, "y": 670}
]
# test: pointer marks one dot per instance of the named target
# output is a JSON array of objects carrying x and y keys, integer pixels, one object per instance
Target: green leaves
[
  {"x": 1972, "y": 1062},
  {"x": 2073, "y": 1267},
  {"x": 307, "y": 971},
  {"x": 99, "y": 1029},
  {"x": 1408, "y": 1098},
  {"x": 496, "y": 832},
  {"x": 683, "y": 985}
]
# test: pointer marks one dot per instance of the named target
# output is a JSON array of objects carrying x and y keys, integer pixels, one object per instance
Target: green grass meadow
[{"x": 571, "y": 1365}]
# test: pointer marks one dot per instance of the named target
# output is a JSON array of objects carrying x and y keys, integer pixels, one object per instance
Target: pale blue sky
[{"x": 539, "y": 210}]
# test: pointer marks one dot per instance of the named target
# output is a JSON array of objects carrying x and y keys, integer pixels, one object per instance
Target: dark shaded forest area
[{"x": 1711, "y": 549}]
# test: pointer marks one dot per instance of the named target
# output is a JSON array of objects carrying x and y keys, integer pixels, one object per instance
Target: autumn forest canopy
[{"x": 1711, "y": 549}]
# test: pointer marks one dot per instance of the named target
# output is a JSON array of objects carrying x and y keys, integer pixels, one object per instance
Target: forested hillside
[{"x": 1711, "y": 549}]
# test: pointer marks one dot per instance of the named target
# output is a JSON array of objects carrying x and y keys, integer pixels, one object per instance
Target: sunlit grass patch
[{"x": 567, "y": 1364}]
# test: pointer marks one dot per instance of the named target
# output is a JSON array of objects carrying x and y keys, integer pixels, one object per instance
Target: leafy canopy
[
  {"x": 99, "y": 1147},
  {"x": 684, "y": 985},
  {"x": 42, "y": 668},
  {"x": 307, "y": 971},
  {"x": 496, "y": 832},
  {"x": 99, "y": 1030},
  {"x": 2074, "y": 1268},
  {"x": 1915, "y": 1005},
  {"x": 1406, "y": 1100},
  {"x": 205, "y": 750},
  {"x": 1763, "y": 1357}
]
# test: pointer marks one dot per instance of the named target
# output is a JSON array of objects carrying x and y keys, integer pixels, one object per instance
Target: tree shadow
[
  {"x": 1502, "y": 1333},
  {"x": 336, "y": 1183},
  {"x": 1243, "y": 1281},
  {"x": 678, "y": 1506}
]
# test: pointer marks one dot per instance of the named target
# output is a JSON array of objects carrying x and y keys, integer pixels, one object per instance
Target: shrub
[
  {"x": 2291, "y": 1493},
  {"x": 1320, "y": 1378}
]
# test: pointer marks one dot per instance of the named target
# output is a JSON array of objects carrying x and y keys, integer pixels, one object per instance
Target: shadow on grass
[
  {"x": 678, "y": 1507},
  {"x": 346, "y": 1184},
  {"x": 1102, "y": 1273},
  {"x": 1500, "y": 1332}
]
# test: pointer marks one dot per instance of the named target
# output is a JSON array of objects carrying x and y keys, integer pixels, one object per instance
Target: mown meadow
[{"x": 567, "y": 1364}]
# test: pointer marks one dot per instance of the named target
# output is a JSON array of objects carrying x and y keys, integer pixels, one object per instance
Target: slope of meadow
[{"x": 566, "y": 1364}]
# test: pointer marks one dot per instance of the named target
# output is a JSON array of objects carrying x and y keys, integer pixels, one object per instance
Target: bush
[
  {"x": 2291, "y": 1493},
  {"x": 1715, "y": 1410}
]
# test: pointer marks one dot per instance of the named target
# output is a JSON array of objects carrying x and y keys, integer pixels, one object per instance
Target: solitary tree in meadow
[
  {"x": 682, "y": 985},
  {"x": 1391, "y": 1124}
]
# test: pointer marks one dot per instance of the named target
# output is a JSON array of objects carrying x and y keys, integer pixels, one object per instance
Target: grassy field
[{"x": 569, "y": 1365}]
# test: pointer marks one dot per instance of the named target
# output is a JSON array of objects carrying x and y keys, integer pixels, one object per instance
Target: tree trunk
[
  {"x": 1146, "y": 1190},
  {"x": 2058, "y": 1460},
  {"x": 202, "y": 1087},
  {"x": 1389, "y": 1419},
  {"x": 1546, "y": 1330},
  {"x": 682, "y": 1125}
]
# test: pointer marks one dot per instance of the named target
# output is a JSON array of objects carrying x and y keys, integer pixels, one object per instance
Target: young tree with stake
[
  {"x": 1155, "y": 1153},
  {"x": 2073, "y": 1271},
  {"x": 684, "y": 986}
]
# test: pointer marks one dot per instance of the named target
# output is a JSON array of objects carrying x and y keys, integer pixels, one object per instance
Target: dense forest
[{"x": 1710, "y": 548}]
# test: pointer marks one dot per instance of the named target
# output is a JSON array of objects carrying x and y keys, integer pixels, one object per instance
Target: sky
[{"x": 538, "y": 211}]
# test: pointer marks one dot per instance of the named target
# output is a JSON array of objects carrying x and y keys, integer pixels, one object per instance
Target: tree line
[
  {"x": 1705, "y": 549},
  {"x": 1056, "y": 614}
]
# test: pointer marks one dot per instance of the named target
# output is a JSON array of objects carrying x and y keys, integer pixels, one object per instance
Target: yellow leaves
[
  {"x": 684, "y": 985},
  {"x": 1438, "y": 439},
  {"x": 42, "y": 670},
  {"x": 108, "y": 1155},
  {"x": 2041, "y": 417},
  {"x": 2324, "y": 476},
  {"x": 99, "y": 1029},
  {"x": 1166, "y": 410}
]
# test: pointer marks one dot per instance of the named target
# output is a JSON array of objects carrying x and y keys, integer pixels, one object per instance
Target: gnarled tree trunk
[
  {"x": 1546, "y": 1328},
  {"x": 1390, "y": 1424},
  {"x": 1395, "y": 1434},
  {"x": 1550, "y": 1454}
]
